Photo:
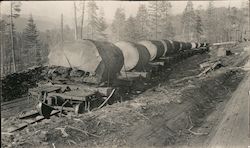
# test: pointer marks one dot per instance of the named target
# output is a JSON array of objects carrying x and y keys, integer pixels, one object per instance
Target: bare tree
[
  {"x": 14, "y": 13},
  {"x": 2, "y": 58},
  {"x": 82, "y": 18},
  {"x": 75, "y": 17},
  {"x": 62, "y": 27}
]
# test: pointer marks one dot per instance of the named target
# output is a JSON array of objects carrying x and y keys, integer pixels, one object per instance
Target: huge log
[
  {"x": 169, "y": 47},
  {"x": 136, "y": 56},
  {"x": 188, "y": 46},
  {"x": 177, "y": 45},
  {"x": 155, "y": 48},
  {"x": 103, "y": 60},
  {"x": 193, "y": 45}
]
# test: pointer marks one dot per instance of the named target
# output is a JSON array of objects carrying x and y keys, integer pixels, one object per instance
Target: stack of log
[{"x": 17, "y": 84}]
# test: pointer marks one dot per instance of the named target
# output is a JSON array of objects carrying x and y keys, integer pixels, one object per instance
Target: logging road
[{"x": 233, "y": 130}]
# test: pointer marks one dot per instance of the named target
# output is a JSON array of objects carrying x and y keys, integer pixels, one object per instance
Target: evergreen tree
[
  {"x": 188, "y": 19},
  {"x": 142, "y": 22},
  {"x": 102, "y": 25},
  {"x": 198, "y": 26},
  {"x": 131, "y": 32},
  {"x": 14, "y": 13},
  {"x": 118, "y": 24},
  {"x": 167, "y": 30},
  {"x": 210, "y": 16},
  {"x": 32, "y": 45},
  {"x": 92, "y": 20},
  {"x": 154, "y": 15}
]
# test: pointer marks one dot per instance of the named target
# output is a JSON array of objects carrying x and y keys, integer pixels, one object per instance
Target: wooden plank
[
  {"x": 70, "y": 97},
  {"x": 23, "y": 125},
  {"x": 102, "y": 90},
  {"x": 133, "y": 75},
  {"x": 157, "y": 63},
  {"x": 223, "y": 43}
]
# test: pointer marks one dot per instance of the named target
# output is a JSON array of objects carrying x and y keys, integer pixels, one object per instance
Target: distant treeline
[{"x": 152, "y": 21}]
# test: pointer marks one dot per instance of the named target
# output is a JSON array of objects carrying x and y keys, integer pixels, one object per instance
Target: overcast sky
[{"x": 53, "y": 9}]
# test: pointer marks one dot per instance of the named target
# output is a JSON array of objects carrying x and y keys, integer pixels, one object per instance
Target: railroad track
[{"x": 17, "y": 106}]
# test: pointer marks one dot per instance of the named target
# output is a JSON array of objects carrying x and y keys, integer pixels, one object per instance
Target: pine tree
[
  {"x": 210, "y": 21},
  {"x": 198, "y": 26},
  {"x": 188, "y": 19},
  {"x": 102, "y": 25},
  {"x": 118, "y": 24},
  {"x": 142, "y": 22},
  {"x": 92, "y": 20},
  {"x": 131, "y": 32},
  {"x": 32, "y": 45},
  {"x": 167, "y": 30},
  {"x": 154, "y": 15},
  {"x": 14, "y": 13}
]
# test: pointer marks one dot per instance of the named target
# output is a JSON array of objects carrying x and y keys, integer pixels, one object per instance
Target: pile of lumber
[{"x": 17, "y": 84}]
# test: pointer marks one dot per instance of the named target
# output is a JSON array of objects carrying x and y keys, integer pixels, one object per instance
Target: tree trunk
[
  {"x": 83, "y": 9},
  {"x": 249, "y": 20},
  {"x": 75, "y": 17},
  {"x": 156, "y": 20},
  {"x": 2, "y": 57},
  {"x": 12, "y": 38},
  {"x": 62, "y": 28}
]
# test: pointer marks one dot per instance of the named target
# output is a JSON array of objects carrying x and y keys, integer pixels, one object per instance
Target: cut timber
[
  {"x": 154, "y": 47},
  {"x": 70, "y": 97},
  {"x": 64, "y": 108},
  {"x": 169, "y": 47},
  {"x": 102, "y": 90},
  {"x": 23, "y": 125},
  {"x": 36, "y": 91},
  {"x": 136, "y": 56},
  {"x": 103, "y": 60},
  {"x": 213, "y": 67},
  {"x": 157, "y": 63},
  {"x": 223, "y": 43},
  {"x": 133, "y": 75}
]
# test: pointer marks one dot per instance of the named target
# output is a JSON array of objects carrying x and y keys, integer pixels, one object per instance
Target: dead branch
[
  {"x": 85, "y": 132},
  {"x": 6, "y": 133},
  {"x": 196, "y": 133},
  {"x": 63, "y": 132},
  {"x": 53, "y": 144},
  {"x": 78, "y": 120},
  {"x": 71, "y": 141}
]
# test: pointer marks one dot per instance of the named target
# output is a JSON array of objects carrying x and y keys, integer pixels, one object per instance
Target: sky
[{"x": 52, "y": 10}]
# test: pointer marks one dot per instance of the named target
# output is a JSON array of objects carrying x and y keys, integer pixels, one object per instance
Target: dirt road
[{"x": 233, "y": 130}]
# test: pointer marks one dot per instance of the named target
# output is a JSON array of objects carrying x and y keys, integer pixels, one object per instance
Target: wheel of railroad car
[
  {"x": 79, "y": 108},
  {"x": 44, "y": 109}
]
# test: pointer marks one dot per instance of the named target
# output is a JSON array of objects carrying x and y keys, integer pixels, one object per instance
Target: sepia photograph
[{"x": 139, "y": 74}]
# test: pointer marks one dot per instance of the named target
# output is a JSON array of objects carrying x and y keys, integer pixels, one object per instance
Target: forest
[{"x": 153, "y": 20}]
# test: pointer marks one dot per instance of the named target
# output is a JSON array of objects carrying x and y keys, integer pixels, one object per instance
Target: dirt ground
[{"x": 179, "y": 109}]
